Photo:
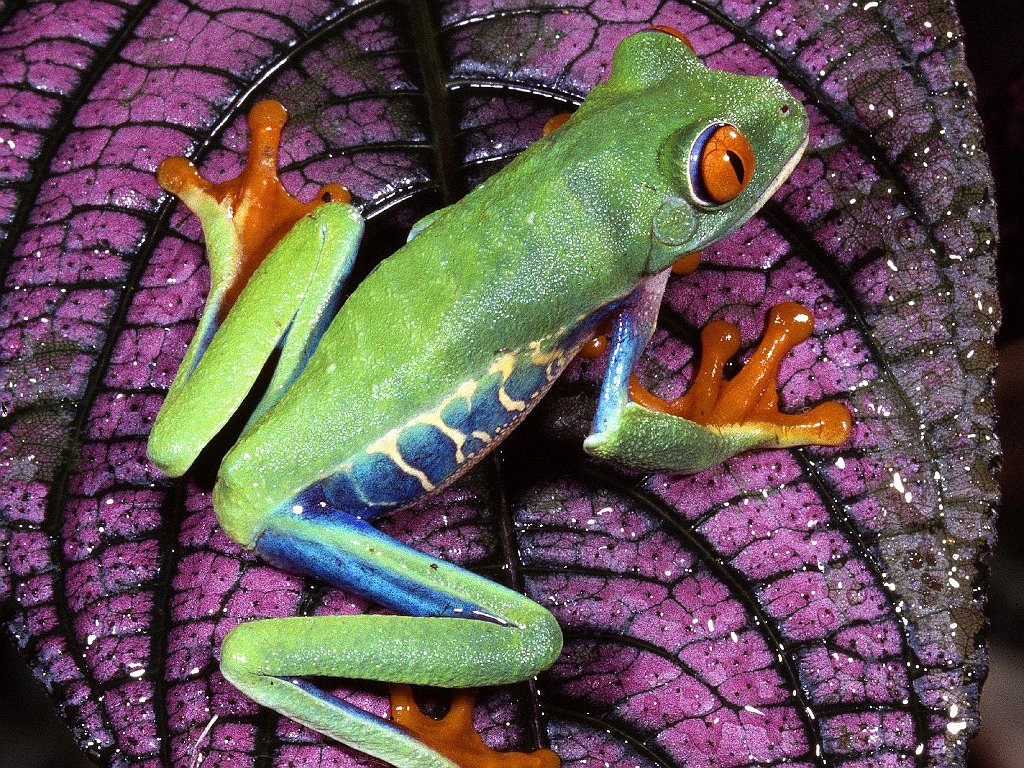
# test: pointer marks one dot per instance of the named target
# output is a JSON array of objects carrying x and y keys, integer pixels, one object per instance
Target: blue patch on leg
[
  {"x": 429, "y": 450},
  {"x": 350, "y": 710},
  {"x": 317, "y": 547},
  {"x": 384, "y": 482}
]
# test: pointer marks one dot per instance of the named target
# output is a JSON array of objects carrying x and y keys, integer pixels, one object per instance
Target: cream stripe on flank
[
  {"x": 433, "y": 418},
  {"x": 505, "y": 365},
  {"x": 388, "y": 445}
]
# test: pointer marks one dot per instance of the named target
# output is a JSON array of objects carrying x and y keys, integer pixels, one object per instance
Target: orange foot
[
  {"x": 555, "y": 122},
  {"x": 254, "y": 203},
  {"x": 751, "y": 399},
  {"x": 454, "y": 736}
]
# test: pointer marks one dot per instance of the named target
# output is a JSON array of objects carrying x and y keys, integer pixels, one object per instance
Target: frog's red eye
[{"x": 721, "y": 164}]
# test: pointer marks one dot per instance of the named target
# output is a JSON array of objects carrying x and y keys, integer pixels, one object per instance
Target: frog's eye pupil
[
  {"x": 721, "y": 164},
  {"x": 737, "y": 165}
]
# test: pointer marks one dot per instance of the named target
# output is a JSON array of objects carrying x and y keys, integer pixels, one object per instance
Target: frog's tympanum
[{"x": 441, "y": 352}]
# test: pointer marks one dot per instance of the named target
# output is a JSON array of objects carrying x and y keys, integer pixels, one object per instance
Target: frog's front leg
[
  {"x": 460, "y": 630},
  {"x": 716, "y": 419}
]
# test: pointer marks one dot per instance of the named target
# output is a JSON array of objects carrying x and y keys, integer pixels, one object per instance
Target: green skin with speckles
[{"x": 526, "y": 264}]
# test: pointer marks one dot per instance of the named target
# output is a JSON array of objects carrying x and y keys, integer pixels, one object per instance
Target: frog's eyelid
[{"x": 697, "y": 188}]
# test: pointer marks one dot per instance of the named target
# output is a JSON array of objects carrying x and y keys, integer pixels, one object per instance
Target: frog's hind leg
[{"x": 461, "y": 631}]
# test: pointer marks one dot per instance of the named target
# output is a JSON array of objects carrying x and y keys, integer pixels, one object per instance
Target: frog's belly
[
  {"x": 435, "y": 447},
  {"x": 420, "y": 454}
]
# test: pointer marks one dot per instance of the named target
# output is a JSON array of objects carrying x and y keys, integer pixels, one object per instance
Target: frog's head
[{"x": 725, "y": 142}]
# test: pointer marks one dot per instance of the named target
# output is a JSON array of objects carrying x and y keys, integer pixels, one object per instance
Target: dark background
[
  {"x": 31, "y": 736},
  {"x": 995, "y": 52}
]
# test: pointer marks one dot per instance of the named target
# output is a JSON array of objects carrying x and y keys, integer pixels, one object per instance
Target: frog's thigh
[{"x": 464, "y": 631}]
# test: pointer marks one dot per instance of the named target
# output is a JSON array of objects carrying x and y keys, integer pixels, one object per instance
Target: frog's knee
[
  {"x": 237, "y": 658},
  {"x": 240, "y": 514},
  {"x": 543, "y": 637}
]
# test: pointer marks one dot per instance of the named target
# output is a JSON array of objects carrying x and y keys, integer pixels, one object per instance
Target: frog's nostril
[{"x": 785, "y": 109}]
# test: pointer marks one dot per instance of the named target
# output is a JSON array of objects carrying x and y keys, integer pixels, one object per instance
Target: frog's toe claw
[
  {"x": 674, "y": 32},
  {"x": 455, "y": 737}
]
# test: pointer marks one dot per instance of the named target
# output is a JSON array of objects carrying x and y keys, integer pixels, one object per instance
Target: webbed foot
[
  {"x": 243, "y": 218},
  {"x": 717, "y": 419},
  {"x": 454, "y": 736}
]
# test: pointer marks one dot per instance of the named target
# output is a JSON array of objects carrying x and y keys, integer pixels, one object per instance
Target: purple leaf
[{"x": 816, "y": 608}]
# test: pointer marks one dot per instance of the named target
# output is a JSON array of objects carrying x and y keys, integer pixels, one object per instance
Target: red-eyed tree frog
[{"x": 441, "y": 352}]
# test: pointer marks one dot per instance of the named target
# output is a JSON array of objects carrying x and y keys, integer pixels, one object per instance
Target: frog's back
[{"x": 443, "y": 348}]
